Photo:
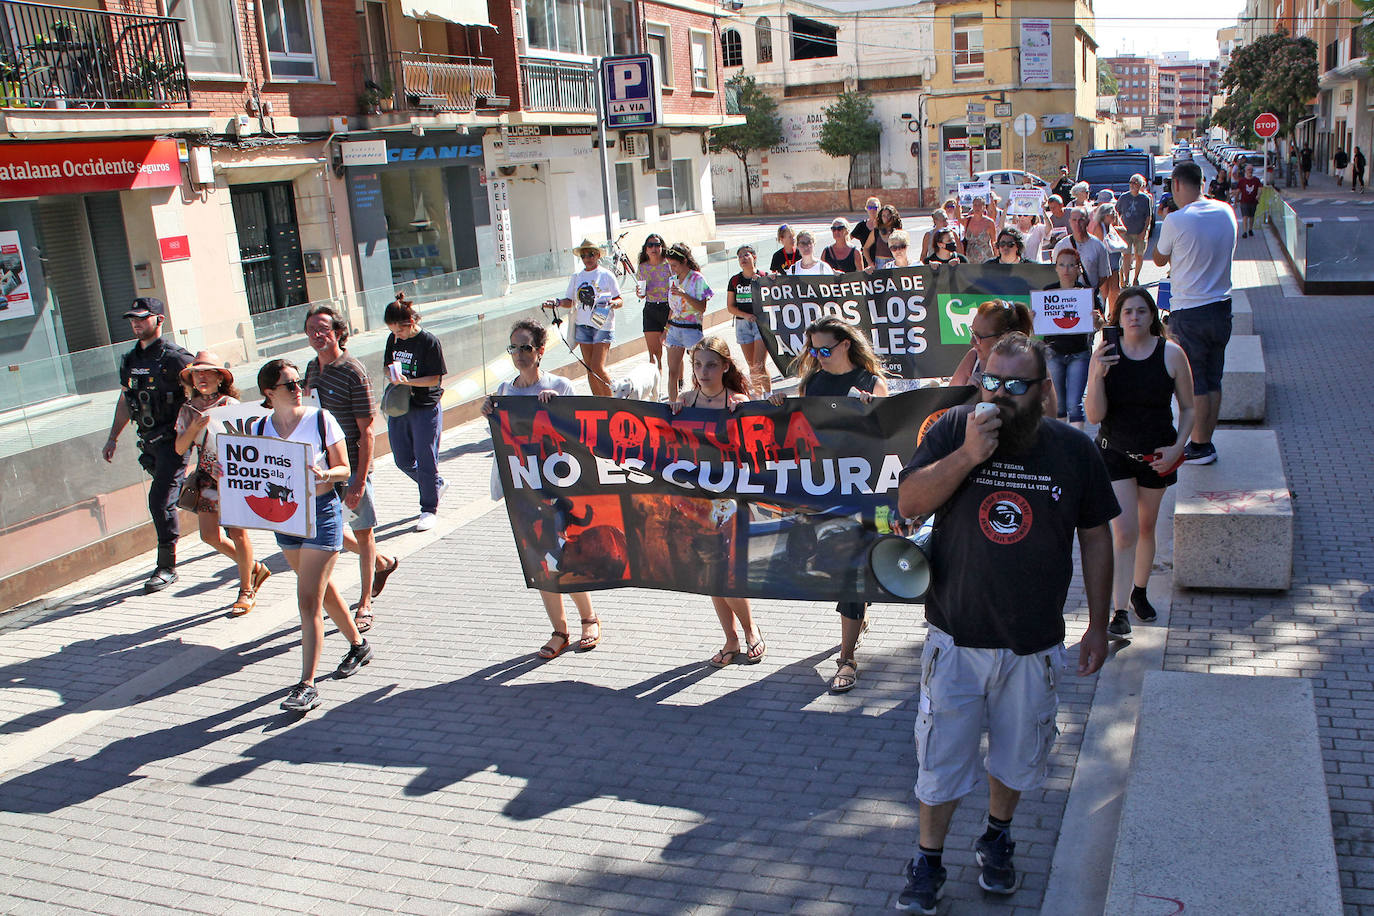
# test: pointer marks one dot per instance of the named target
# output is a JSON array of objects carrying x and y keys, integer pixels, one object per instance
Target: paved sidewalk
[{"x": 147, "y": 766}]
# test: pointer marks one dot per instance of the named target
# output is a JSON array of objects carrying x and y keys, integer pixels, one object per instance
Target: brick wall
[
  {"x": 681, "y": 99},
  {"x": 503, "y": 50}
]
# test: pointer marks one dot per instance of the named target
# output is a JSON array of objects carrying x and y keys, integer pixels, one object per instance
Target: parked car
[
  {"x": 1113, "y": 168},
  {"x": 1183, "y": 153},
  {"x": 1012, "y": 178}
]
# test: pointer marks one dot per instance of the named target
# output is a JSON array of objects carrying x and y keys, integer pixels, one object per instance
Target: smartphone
[{"x": 1112, "y": 335}]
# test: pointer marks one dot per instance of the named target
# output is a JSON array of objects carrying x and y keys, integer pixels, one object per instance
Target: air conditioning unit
[{"x": 634, "y": 145}]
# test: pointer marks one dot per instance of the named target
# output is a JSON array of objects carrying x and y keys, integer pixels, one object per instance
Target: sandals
[
  {"x": 724, "y": 658},
  {"x": 760, "y": 647},
  {"x": 260, "y": 574},
  {"x": 587, "y": 644},
  {"x": 841, "y": 682},
  {"x": 380, "y": 576},
  {"x": 247, "y": 600},
  {"x": 546, "y": 652},
  {"x": 363, "y": 620}
]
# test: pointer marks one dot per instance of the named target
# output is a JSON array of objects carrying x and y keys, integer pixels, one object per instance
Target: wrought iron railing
[
  {"x": 415, "y": 81},
  {"x": 557, "y": 85},
  {"x": 60, "y": 57}
]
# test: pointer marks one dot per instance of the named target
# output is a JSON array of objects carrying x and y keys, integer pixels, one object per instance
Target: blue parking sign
[{"x": 630, "y": 90}]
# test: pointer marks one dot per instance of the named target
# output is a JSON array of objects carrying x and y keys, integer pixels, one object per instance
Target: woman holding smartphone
[{"x": 1134, "y": 377}]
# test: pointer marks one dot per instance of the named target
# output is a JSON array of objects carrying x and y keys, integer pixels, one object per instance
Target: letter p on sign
[{"x": 623, "y": 77}]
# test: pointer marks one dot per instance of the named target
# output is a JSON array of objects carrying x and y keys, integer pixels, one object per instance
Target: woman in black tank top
[
  {"x": 1130, "y": 394},
  {"x": 837, "y": 360}
]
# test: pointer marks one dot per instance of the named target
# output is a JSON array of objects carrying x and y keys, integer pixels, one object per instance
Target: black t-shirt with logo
[
  {"x": 743, "y": 288},
  {"x": 419, "y": 356},
  {"x": 1003, "y": 543}
]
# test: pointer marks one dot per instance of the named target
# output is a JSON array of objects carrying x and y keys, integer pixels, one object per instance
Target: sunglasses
[
  {"x": 871, "y": 207},
  {"x": 1012, "y": 386},
  {"x": 822, "y": 352},
  {"x": 1005, "y": 243},
  {"x": 293, "y": 385},
  {"x": 838, "y": 229},
  {"x": 520, "y": 348},
  {"x": 897, "y": 247},
  {"x": 653, "y": 244}
]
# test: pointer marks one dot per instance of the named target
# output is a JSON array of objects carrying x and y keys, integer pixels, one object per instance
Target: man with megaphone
[{"x": 1009, "y": 488}]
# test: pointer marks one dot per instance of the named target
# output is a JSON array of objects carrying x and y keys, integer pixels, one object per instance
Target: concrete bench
[
  {"x": 1226, "y": 809},
  {"x": 1242, "y": 384},
  {"x": 1242, "y": 318},
  {"x": 1233, "y": 520}
]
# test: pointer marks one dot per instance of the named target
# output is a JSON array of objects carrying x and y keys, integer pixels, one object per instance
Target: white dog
[{"x": 640, "y": 385}]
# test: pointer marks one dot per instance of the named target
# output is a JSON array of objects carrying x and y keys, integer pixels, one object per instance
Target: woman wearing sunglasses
[
  {"x": 1011, "y": 247},
  {"x": 527, "y": 341},
  {"x": 809, "y": 264},
  {"x": 652, "y": 286},
  {"x": 1131, "y": 393},
  {"x": 312, "y": 559},
  {"x": 979, "y": 233},
  {"x": 840, "y": 254},
  {"x": 994, "y": 320},
  {"x": 838, "y": 360},
  {"x": 944, "y": 249}
]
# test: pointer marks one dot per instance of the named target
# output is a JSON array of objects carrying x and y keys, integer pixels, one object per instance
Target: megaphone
[{"x": 902, "y": 565}]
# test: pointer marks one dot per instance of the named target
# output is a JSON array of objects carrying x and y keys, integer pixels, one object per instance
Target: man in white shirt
[
  {"x": 1197, "y": 244},
  {"x": 1097, "y": 266}
]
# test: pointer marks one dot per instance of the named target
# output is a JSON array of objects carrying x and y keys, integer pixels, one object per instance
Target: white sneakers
[{"x": 426, "y": 521}]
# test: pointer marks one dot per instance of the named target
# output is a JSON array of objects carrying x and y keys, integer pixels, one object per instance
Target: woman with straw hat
[
  {"x": 210, "y": 384},
  {"x": 594, "y": 294}
]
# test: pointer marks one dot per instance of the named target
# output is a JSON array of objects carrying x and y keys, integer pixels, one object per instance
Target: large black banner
[
  {"x": 780, "y": 502},
  {"x": 918, "y": 319}
]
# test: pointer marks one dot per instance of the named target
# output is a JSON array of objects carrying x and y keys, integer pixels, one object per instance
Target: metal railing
[
  {"x": 60, "y": 57},
  {"x": 416, "y": 81},
  {"x": 557, "y": 85}
]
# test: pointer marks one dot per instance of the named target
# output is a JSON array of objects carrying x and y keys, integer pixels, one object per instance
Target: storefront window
[
  {"x": 419, "y": 232},
  {"x": 625, "y": 191},
  {"x": 675, "y": 188}
]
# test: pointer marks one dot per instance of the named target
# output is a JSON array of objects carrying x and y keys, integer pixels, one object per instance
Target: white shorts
[{"x": 962, "y": 690}]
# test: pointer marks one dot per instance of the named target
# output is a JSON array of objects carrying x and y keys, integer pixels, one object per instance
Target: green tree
[
  {"x": 1278, "y": 74},
  {"x": 1106, "y": 79},
  {"x": 849, "y": 130},
  {"x": 761, "y": 130},
  {"x": 1366, "y": 31}
]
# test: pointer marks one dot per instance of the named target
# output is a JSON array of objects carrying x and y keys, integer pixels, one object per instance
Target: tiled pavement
[{"x": 457, "y": 773}]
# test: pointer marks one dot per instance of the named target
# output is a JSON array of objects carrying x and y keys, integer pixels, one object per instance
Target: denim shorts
[
  {"x": 328, "y": 527},
  {"x": 746, "y": 331},
  {"x": 586, "y": 334},
  {"x": 683, "y": 337},
  {"x": 1203, "y": 332}
]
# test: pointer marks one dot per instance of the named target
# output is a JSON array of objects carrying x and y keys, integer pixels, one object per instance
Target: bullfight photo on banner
[
  {"x": 768, "y": 501},
  {"x": 919, "y": 320},
  {"x": 266, "y": 484}
]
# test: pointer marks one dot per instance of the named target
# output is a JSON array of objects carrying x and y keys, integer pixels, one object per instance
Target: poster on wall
[
  {"x": 266, "y": 484},
  {"x": 15, "y": 298},
  {"x": 1036, "y": 44}
]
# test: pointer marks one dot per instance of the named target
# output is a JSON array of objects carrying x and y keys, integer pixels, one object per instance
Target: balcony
[
  {"x": 57, "y": 57},
  {"x": 412, "y": 81},
  {"x": 558, "y": 85}
]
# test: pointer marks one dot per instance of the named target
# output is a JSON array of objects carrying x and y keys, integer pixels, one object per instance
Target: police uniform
[{"x": 151, "y": 381}]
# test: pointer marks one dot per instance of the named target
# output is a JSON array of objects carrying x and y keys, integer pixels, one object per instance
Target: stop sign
[{"x": 1266, "y": 125}]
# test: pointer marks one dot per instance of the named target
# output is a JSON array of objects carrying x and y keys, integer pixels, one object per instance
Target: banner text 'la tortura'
[
  {"x": 779, "y": 502},
  {"x": 918, "y": 319}
]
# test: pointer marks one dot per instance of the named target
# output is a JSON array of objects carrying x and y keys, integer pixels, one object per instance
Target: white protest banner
[
  {"x": 241, "y": 418},
  {"x": 1026, "y": 202},
  {"x": 267, "y": 484},
  {"x": 1062, "y": 311},
  {"x": 968, "y": 190}
]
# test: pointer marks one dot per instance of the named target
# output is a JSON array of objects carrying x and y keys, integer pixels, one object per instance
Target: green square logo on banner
[{"x": 957, "y": 311}]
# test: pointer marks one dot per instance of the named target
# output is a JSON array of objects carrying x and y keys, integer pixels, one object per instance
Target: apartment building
[
  {"x": 239, "y": 158},
  {"x": 1197, "y": 82},
  {"x": 1344, "y": 106},
  {"x": 1137, "y": 85}
]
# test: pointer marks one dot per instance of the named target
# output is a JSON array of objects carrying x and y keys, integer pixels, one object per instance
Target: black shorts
[
  {"x": 655, "y": 317},
  {"x": 1122, "y": 467},
  {"x": 854, "y": 610}
]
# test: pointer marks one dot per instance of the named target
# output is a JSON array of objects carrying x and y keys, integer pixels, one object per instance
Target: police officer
[{"x": 150, "y": 376}]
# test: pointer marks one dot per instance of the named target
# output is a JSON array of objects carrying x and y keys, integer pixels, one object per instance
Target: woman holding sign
[
  {"x": 1132, "y": 385},
  {"x": 313, "y": 558},
  {"x": 718, "y": 384},
  {"x": 836, "y": 363},
  {"x": 210, "y": 384},
  {"x": 527, "y": 341},
  {"x": 1067, "y": 354}
]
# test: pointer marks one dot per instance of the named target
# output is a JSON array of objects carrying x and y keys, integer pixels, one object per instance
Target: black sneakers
[
  {"x": 924, "y": 887},
  {"x": 357, "y": 656},
  {"x": 1193, "y": 453},
  {"x": 1120, "y": 625},
  {"x": 302, "y": 698},
  {"x": 998, "y": 875},
  {"x": 1140, "y": 603}
]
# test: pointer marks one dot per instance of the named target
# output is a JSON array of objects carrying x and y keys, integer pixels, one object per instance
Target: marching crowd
[{"x": 994, "y": 644}]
